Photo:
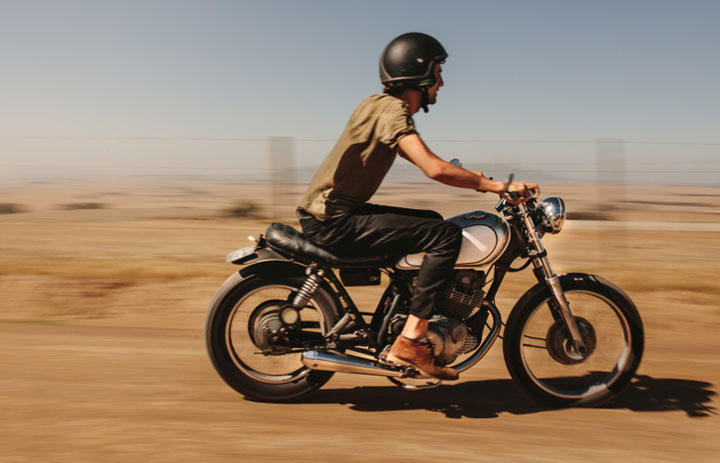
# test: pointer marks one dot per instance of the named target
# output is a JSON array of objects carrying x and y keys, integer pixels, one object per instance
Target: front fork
[{"x": 543, "y": 269}]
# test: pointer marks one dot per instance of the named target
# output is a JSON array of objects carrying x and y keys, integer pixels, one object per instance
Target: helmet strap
[{"x": 424, "y": 99}]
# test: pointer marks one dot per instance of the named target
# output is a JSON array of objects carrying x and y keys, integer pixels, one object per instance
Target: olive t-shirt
[{"x": 360, "y": 159}]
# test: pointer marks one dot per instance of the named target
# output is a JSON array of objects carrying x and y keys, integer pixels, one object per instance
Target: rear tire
[
  {"x": 538, "y": 353},
  {"x": 239, "y": 361}
]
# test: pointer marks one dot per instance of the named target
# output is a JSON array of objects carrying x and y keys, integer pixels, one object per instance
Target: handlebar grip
[{"x": 513, "y": 195}]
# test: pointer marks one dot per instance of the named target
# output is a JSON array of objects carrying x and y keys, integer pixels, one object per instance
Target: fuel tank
[{"x": 485, "y": 238}]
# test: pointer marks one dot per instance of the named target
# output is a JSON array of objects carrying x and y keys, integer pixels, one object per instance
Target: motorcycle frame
[
  {"x": 351, "y": 331},
  {"x": 395, "y": 294}
]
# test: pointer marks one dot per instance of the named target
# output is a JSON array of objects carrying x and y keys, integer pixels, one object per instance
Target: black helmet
[{"x": 409, "y": 60}]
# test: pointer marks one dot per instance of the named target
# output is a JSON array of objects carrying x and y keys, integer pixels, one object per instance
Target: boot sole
[{"x": 399, "y": 361}]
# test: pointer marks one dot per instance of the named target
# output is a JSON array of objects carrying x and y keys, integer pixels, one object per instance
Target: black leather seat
[{"x": 288, "y": 240}]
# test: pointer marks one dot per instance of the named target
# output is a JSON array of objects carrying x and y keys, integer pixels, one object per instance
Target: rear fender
[
  {"x": 265, "y": 269},
  {"x": 249, "y": 256}
]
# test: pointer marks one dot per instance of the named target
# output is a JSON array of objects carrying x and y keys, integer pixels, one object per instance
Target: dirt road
[
  {"x": 102, "y": 354},
  {"x": 76, "y": 394}
]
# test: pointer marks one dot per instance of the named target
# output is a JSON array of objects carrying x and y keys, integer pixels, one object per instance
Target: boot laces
[{"x": 426, "y": 343}]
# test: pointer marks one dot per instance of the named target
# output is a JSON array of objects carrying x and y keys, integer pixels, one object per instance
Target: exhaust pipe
[{"x": 346, "y": 364}]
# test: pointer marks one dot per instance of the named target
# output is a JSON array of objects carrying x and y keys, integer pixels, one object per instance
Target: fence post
[
  {"x": 282, "y": 175},
  {"x": 611, "y": 184}
]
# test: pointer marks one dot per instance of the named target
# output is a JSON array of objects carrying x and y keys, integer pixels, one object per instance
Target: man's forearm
[
  {"x": 412, "y": 148},
  {"x": 450, "y": 174}
]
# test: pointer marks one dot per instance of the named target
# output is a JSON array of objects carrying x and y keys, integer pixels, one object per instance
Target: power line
[
  {"x": 578, "y": 142},
  {"x": 60, "y": 137},
  {"x": 304, "y": 140},
  {"x": 248, "y": 169}
]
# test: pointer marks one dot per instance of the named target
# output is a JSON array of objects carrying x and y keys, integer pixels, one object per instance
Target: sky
[{"x": 203, "y": 84}]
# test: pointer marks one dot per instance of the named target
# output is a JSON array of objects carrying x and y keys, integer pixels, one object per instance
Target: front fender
[
  {"x": 542, "y": 287},
  {"x": 565, "y": 281}
]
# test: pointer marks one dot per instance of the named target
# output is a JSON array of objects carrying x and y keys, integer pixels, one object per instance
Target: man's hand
[{"x": 522, "y": 192}]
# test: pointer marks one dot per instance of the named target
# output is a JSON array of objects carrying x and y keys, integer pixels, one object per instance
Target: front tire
[
  {"x": 231, "y": 328},
  {"x": 539, "y": 354}
]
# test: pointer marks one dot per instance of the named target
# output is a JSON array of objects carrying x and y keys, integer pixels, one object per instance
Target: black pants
[{"x": 372, "y": 230}]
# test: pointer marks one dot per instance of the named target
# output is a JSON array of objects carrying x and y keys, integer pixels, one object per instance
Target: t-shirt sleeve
[{"x": 394, "y": 123}]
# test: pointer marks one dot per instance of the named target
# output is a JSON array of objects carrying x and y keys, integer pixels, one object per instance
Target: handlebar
[
  {"x": 506, "y": 189},
  {"x": 512, "y": 195}
]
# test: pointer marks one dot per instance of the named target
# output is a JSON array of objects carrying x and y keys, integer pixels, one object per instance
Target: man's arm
[{"x": 412, "y": 148}]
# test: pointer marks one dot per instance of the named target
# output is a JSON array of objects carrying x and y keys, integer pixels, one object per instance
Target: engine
[
  {"x": 462, "y": 295},
  {"x": 460, "y": 299}
]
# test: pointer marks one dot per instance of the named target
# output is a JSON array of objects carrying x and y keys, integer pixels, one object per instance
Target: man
[{"x": 334, "y": 213}]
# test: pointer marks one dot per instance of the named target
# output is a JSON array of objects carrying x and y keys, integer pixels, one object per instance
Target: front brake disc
[{"x": 560, "y": 346}]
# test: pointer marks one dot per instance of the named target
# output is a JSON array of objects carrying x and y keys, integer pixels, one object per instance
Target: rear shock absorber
[{"x": 308, "y": 288}]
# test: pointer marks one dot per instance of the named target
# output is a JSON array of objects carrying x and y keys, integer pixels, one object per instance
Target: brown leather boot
[{"x": 418, "y": 353}]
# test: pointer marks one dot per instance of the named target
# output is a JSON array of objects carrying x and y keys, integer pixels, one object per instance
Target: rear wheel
[
  {"x": 539, "y": 353},
  {"x": 250, "y": 347}
]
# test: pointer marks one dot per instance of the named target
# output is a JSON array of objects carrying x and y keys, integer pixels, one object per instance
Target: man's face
[{"x": 433, "y": 91}]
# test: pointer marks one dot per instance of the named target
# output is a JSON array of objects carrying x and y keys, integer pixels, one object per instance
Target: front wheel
[{"x": 539, "y": 353}]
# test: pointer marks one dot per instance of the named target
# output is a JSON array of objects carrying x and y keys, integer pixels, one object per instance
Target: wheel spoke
[
  {"x": 534, "y": 346},
  {"x": 560, "y": 371},
  {"x": 255, "y": 326}
]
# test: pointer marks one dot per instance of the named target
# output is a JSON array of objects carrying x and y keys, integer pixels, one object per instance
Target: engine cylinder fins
[
  {"x": 458, "y": 305},
  {"x": 471, "y": 342},
  {"x": 462, "y": 294}
]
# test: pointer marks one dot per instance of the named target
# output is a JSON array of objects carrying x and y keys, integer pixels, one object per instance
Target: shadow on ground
[
  {"x": 648, "y": 394},
  {"x": 489, "y": 399}
]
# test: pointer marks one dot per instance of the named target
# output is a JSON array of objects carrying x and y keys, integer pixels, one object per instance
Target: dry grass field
[{"x": 104, "y": 287}]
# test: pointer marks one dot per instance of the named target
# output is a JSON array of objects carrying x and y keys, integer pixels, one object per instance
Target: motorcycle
[{"x": 281, "y": 326}]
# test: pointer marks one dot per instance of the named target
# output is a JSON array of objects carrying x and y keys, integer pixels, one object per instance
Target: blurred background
[
  {"x": 141, "y": 141},
  {"x": 97, "y": 88}
]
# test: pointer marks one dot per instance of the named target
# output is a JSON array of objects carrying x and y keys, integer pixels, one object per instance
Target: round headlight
[{"x": 553, "y": 214}]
